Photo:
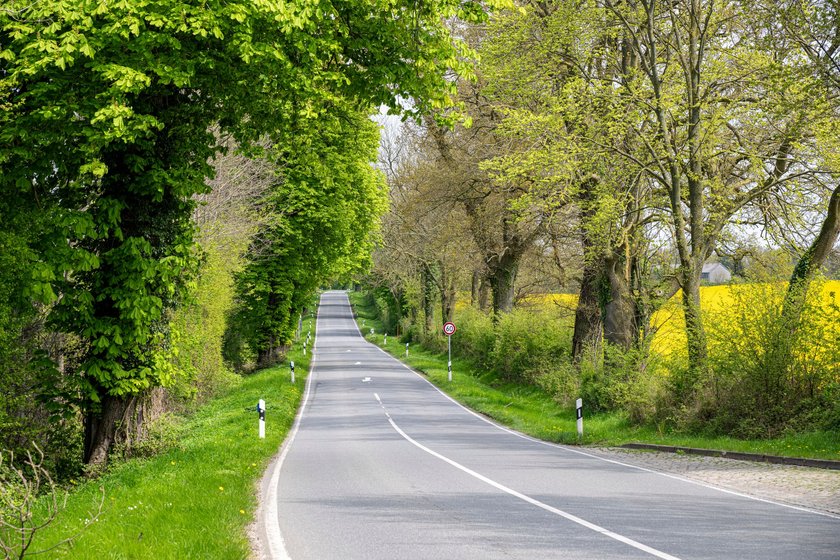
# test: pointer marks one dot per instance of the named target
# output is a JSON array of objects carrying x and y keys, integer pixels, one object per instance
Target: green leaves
[
  {"x": 325, "y": 211},
  {"x": 105, "y": 113}
]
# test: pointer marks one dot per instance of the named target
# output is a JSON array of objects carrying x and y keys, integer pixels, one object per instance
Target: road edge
[
  {"x": 737, "y": 455},
  {"x": 268, "y": 542}
]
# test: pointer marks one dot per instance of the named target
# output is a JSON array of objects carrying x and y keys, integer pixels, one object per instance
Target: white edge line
[
  {"x": 590, "y": 455},
  {"x": 276, "y": 544},
  {"x": 539, "y": 504}
]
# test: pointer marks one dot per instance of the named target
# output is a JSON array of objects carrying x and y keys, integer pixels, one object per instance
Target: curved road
[{"x": 384, "y": 466}]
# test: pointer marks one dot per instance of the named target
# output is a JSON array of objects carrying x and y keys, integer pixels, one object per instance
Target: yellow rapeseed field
[{"x": 725, "y": 309}]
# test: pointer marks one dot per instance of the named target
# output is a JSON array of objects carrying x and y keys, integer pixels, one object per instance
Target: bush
[
  {"x": 198, "y": 334},
  {"x": 766, "y": 377},
  {"x": 162, "y": 435},
  {"x": 475, "y": 337},
  {"x": 530, "y": 345}
]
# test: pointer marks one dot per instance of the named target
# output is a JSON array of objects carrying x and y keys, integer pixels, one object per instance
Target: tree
[
  {"x": 324, "y": 209},
  {"x": 814, "y": 26},
  {"x": 721, "y": 127},
  {"x": 106, "y": 131},
  {"x": 503, "y": 221},
  {"x": 556, "y": 67}
]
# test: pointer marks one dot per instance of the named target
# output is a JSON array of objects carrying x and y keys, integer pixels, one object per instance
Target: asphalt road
[{"x": 384, "y": 466}]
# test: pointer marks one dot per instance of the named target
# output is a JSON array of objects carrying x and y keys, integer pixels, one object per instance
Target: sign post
[
  {"x": 449, "y": 330},
  {"x": 261, "y": 410},
  {"x": 579, "y": 407}
]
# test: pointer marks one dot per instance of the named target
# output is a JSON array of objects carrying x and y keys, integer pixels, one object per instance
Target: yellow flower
[
  {"x": 242, "y": 511},
  {"x": 221, "y": 488}
]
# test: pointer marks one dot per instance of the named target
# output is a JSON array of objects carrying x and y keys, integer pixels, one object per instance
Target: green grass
[
  {"x": 532, "y": 411},
  {"x": 196, "y": 500}
]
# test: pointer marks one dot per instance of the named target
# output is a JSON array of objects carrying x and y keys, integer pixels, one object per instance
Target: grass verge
[
  {"x": 196, "y": 500},
  {"x": 532, "y": 411}
]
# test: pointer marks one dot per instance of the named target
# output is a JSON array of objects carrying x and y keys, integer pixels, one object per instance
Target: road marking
[
  {"x": 530, "y": 500},
  {"x": 591, "y": 456},
  {"x": 366, "y": 380},
  {"x": 583, "y": 453}
]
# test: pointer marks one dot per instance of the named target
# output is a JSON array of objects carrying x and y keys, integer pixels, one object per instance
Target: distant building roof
[{"x": 708, "y": 267}]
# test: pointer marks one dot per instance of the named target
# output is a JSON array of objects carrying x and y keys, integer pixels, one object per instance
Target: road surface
[{"x": 384, "y": 466}]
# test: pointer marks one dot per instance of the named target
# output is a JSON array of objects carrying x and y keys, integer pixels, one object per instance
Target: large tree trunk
[
  {"x": 428, "y": 295},
  {"x": 810, "y": 262},
  {"x": 101, "y": 428},
  {"x": 447, "y": 295},
  {"x": 119, "y": 420},
  {"x": 695, "y": 332},
  {"x": 778, "y": 359},
  {"x": 476, "y": 283},
  {"x": 484, "y": 294},
  {"x": 588, "y": 323},
  {"x": 620, "y": 328},
  {"x": 502, "y": 281}
]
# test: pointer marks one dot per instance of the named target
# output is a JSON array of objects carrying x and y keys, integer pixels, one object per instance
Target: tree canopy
[{"x": 111, "y": 113}]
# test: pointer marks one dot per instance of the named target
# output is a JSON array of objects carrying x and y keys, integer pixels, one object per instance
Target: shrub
[
  {"x": 162, "y": 435},
  {"x": 475, "y": 337},
  {"x": 529, "y": 345},
  {"x": 765, "y": 376}
]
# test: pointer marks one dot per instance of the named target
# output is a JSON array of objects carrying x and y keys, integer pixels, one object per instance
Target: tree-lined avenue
[{"x": 383, "y": 465}]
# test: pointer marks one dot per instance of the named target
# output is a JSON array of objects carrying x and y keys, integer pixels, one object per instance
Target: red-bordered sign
[{"x": 449, "y": 328}]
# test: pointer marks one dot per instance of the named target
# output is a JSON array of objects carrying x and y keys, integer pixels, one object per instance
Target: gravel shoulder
[{"x": 812, "y": 488}]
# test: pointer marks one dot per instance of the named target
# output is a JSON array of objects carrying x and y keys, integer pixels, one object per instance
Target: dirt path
[{"x": 817, "y": 489}]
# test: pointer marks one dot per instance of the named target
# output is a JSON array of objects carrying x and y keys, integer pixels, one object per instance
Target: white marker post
[
  {"x": 261, "y": 410},
  {"x": 406, "y": 349},
  {"x": 304, "y": 348},
  {"x": 579, "y": 406},
  {"x": 292, "y": 366},
  {"x": 449, "y": 330},
  {"x": 385, "y": 340}
]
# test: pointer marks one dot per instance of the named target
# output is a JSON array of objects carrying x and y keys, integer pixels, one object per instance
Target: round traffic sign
[{"x": 449, "y": 328}]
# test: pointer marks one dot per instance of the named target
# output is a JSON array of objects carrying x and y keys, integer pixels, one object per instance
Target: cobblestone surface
[{"x": 816, "y": 489}]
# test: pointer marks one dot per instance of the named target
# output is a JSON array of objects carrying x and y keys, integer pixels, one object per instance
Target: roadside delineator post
[
  {"x": 261, "y": 410},
  {"x": 385, "y": 340},
  {"x": 579, "y": 407},
  {"x": 406, "y": 349},
  {"x": 292, "y": 367}
]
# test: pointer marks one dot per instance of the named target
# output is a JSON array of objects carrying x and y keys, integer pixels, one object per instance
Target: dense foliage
[
  {"x": 325, "y": 206},
  {"x": 617, "y": 149},
  {"x": 110, "y": 116}
]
